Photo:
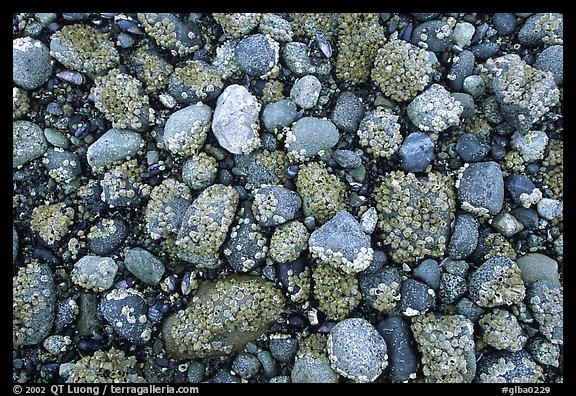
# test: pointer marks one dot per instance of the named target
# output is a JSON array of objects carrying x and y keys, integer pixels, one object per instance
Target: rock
[
  {"x": 347, "y": 158},
  {"x": 545, "y": 299},
  {"x": 277, "y": 27},
  {"x": 205, "y": 225},
  {"x": 125, "y": 310},
  {"x": 485, "y": 50},
  {"x": 348, "y": 112},
  {"x": 56, "y": 138},
  {"x": 451, "y": 288},
  {"x": 195, "y": 81},
  {"x": 56, "y": 344},
  {"x": 268, "y": 364},
  {"x": 504, "y": 22},
  {"x": 28, "y": 142},
  {"x": 171, "y": 197},
  {"x": 283, "y": 347},
  {"x": 381, "y": 289},
  {"x": 356, "y": 350},
  {"x": 462, "y": 67},
  {"x": 224, "y": 376},
  {"x": 257, "y": 55},
  {"x": 457, "y": 332},
  {"x": 295, "y": 55},
  {"x": 186, "y": 130},
  {"x": 337, "y": 292},
  {"x": 416, "y": 152},
  {"x": 524, "y": 93},
  {"x": 501, "y": 330},
  {"x": 195, "y": 372},
  {"x": 455, "y": 267},
  {"x": 114, "y": 145},
  {"x": 63, "y": 166},
  {"x": 94, "y": 273},
  {"x": 369, "y": 220},
  {"x": 246, "y": 365},
  {"x": 428, "y": 271},
  {"x": 434, "y": 110},
  {"x": 306, "y": 91},
  {"x": 235, "y": 123},
  {"x": 467, "y": 308},
  {"x": 472, "y": 148},
  {"x": 31, "y": 63},
  {"x": 250, "y": 304},
  {"x": 379, "y": 132},
  {"x": 528, "y": 217},
  {"x": 310, "y": 136},
  {"x": 199, "y": 171},
  {"x": 416, "y": 298},
  {"x": 522, "y": 190},
  {"x": 542, "y": 28},
  {"x": 467, "y": 102},
  {"x": 464, "y": 237},
  {"x": 310, "y": 369},
  {"x": 402, "y": 357},
  {"x": 278, "y": 115},
  {"x": 552, "y": 59},
  {"x": 462, "y": 35},
  {"x": 549, "y": 209},
  {"x": 180, "y": 37},
  {"x": 288, "y": 241},
  {"x": 107, "y": 235},
  {"x": 543, "y": 351},
  {"x": 87, "y": 320},
  {"x": 436, "y": 35},
  {"x": 274, "y": 205},
  {"x": 379, "y": 260},
  {"x": 144, "y": 265},
  {"x": 481, "y": 188},
  {"x": 506, "y": 224},
  {"x": 342, "y": 243},
  {"x": 474, "y": 85},
  {"x": 537, "y": 266},
  {"x": 66, "y": 313},
  {"x": 33, "y": 304},
  {"x": 14, "y": 244},
  {"x": 496, "y": 282},
  {"x": 246, "y": 247},
  {"x": 520, "y": 368},
  {"x": 530, "y": 145}
]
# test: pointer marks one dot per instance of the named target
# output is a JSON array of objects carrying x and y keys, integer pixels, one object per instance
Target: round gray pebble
[
  {"x": 114, "y": 145},
  {"x": 461, "y": 68},
  {"x": 472, "y": 147},
  {"x": 474, "y": 85},
  {"x": 428, "y": 271},
  {"x": 107, "y": 235},
  {"x": 347, "y": 158},
  {"x": 539, "y": 27},
  {"x": 537, "y": 266},
  {"x": 195, "y": 372},
  {"x": 436, "y": 34},
  {"x": 257, "y": 54},
  {"x": 309, "y": 369},
  {"x": 246, "y": 365},
  {"x": 504, "y": 22},
  {"x": 94, "y": 272},
  {"x": 56, "y": 138},
  {"x": 283, "y": 347},
  {"x": 549, "y": 208},
  {"x": 310, "y": 135},
  {"x": 464, "y": 237},
  {"x": 348, "y": 112},
  {"x": 356, "y": 350},
  {"x": 416, "y": 298},
  {"x": 279, "y": 114},
  {"x": 481, "y": 188},
  {"x": 31, "y": 63},
  {"x": 467, "y": 102},
  {"x": 452, "y": 287}
]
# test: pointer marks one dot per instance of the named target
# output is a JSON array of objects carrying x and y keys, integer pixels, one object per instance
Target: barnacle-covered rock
[
  {"x": 275, "y": 205},
  {"x": 20, "y": 102},
  {"x": 546, "y": 301},
  {"x": 379, "y": 132},
  {"x": 308, "y": 24},
  {"x": 415, "y": 214},
  {"x": 94, "y": 273},
  {"x": 152, "y": 69},
  {"x": 28, "y": 142},
  {"x": 180, "y": 37},
  {"x": 359, "y": 37},
  {"x": 186, "y": 129},
  {"x": 434, "y": 110},
  {"x": 496, "y": 282},
  {"x": 501, "y": 330},
  {"x": 195, "y": 81},
  {"x": 312, "y": 364},
  {"x": 110, "y": 366},
  {"x": 122, "y": 100},
  {"x": 84, "y": 48},
  {"x": 199, "y": 171},
  {"x": 166, "y": 208},
  {"x": 33, "y": 304},
  {"x": 51, "y": 222},
  {"x": 523, "y": 92},
  {"x": 401, "y": 70},
  {"x": 446, "y": 343},
  {"x": 121, "y": 184},
  {"x": 337, "y": 292},
  {"x": 205, "y": 225},
  {"x": 288, "y": 241},
  {"x": 381, "y": 289},
  {"x": 237, "y": 24},
  {"x": 247, "y": 245},
  {"x": 322, "y": 193},
  {"x": 222, "y": 317}
]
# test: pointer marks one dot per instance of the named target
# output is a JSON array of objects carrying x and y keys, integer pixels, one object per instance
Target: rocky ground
[{"x": 287, "y": 197}]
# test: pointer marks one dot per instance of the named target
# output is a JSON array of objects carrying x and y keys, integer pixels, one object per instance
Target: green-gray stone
[
  {"x": 56, "y": 138},
  {"x": 144, "y": 265}
]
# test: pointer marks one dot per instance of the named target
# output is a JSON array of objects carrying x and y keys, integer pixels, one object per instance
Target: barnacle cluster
[{"x": 51, "y": 222}]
